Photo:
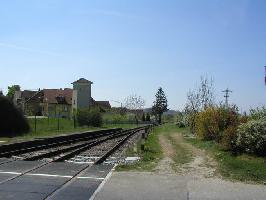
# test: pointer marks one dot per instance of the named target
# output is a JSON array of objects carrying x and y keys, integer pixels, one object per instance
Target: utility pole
[
  {"x": 227, "y": 91},
  {"x": 265, "y": 75}
]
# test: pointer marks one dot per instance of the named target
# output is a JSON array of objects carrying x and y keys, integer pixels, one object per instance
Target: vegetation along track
[{"x": 108, "y": 143}]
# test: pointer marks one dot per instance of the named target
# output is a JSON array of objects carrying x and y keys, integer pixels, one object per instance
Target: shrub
[
  {"x": 180, "y": 124},
  {"x": 148, "y": 117},
  {"x": 181, "y": 120},
  {"x": 113, "y": 118},
  {"x": 207, "y": 124},
  {"x": 251, "y": 137},
  {"x": 89, "y": 117},
  {"x": 13, "y": 122},
  {"x": 212, "y": 124},
  {"x": 228, "y": 139},
  {"x": 143, "y": 117},
  {"x": 258, "y": 113}
]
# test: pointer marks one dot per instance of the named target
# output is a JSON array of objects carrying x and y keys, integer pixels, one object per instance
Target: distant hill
[
  {"x": 171, "y": 112},
  {"x": 147, "y": 110}
]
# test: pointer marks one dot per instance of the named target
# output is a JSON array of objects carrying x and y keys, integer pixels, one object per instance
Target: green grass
[
  {"x": 182, "y": 153},
  {"x": 244, "y": 167},
  {"x": 153, "y": 151},
  {"x": 149, "y": 157},
  {"x": 49, "y": 127}
]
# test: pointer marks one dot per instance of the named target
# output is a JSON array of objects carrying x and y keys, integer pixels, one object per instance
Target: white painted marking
[
  {"x": 103, "y": 183},
  {"x": 50, "y": 175},
  {"x": 77, "y": 162},
  {"x": 95, "y": 178},
  {"x": 15, "y": 173}
]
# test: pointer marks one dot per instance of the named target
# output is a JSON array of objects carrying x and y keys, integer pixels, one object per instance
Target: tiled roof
[
  {"x": 26, "y": 94},
  {"x": 83, "y": 80},
  {"x": 103, "y": 104},
  {"x": 50, "y": 95}
]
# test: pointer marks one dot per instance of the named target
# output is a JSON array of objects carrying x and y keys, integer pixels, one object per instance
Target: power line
[
  {"x": 227, "y": 91},
  {"x": 265, "y": 75}
]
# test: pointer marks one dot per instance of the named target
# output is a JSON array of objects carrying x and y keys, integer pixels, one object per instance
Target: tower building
[{"x": 81, "y": 94}]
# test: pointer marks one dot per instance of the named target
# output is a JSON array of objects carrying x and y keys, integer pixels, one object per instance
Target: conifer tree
[{"x": 160, "y": 105}]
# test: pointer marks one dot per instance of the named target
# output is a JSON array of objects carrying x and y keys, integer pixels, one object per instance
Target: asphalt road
[
  {"x": 54, "y": 181},
  {"x": 61, "y": 181},
  {"x": 149, "y": 186}
]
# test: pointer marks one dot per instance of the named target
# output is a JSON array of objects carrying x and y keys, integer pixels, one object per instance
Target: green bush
[
  {"x": 148, "y": 117},
  {"x": 13, "y": 123},
  {"x": 89, "y": 117},
  {"x": 258, "y": 113},
  {"x": 218, "y": 123},
  {"x": 228, "y": 138},
  {"x": 113, "y": 118},
  {"x": 251, "y": 137},
  {"x": 181, "y": 120},
  {"x": 180, "y": 124},
  {"x": 143, "y": 117},
  {"x": 207, "y": 124}
]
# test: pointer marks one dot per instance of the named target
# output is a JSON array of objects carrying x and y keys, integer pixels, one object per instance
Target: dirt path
[
  {"x": 201, "y": 164},
  {"x": 165, "y": 165}
]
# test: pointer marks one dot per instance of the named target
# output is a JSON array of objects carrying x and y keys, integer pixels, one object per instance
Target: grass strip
[
  {"x": 150, "y": 157},
  {"x": 244, "y": 167}
]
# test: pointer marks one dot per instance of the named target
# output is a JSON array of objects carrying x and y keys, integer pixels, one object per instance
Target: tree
[
  {"x": 89, "y": 117},
  {"x": 206, "y": 92},
  {"x": 134, "y": 102},
  {"x": 143, "y": 117},
  {"x": 192, "y": 108},
  {"x": 198, "y": 100},
  {"x": 13, "y": 122},
  {"x": 160, "y": 105},
  {"x": 148, "y": 117},
  {"x": 11, "y": 91}
]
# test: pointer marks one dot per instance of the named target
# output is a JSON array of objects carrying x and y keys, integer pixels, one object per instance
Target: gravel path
[
  {"x": 201, "y": 164},
  {"x": 165, "y": 165}
]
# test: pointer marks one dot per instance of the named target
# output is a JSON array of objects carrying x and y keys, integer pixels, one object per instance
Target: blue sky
[{"x": 128, "y": 47}]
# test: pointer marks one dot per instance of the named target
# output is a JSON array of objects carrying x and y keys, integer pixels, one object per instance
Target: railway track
[
  {"x": 48, "y": 143},
  {"x": 68, "y": 147},
  {"x": 105, "y": 154},
  {"x": 45, "y": 157}
]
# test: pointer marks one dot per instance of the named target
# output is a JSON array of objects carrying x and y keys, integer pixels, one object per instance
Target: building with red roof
[{"x": 58, "y": 102}]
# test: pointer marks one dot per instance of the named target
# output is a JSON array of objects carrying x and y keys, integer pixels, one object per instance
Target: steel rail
[
  {"x": 97, "y": 162},
  {"x": 63, "y": 157},
  {"x": 53, "y": 144}
]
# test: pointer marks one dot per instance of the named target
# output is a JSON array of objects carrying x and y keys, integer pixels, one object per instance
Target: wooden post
[
  {"x": 35, "y": 123},
  {"x": 142, "y": 141},
  {"x": 74, "y": 121},
  {"x": 58, "y": 122}
]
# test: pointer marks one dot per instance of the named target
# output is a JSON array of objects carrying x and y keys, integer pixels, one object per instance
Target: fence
[{"x": 38, "y": 124}]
